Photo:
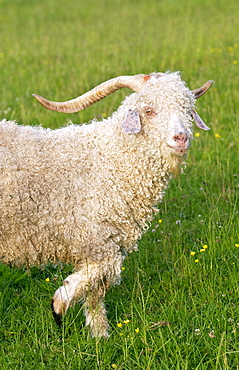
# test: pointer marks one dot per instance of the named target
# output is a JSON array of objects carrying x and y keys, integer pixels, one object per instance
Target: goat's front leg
[
  {"x": 95, "y": 313},
  {"x": 73, "y": 288},
  {"x": 76, "y": 286},
  {"x": 89, "y": 284}
]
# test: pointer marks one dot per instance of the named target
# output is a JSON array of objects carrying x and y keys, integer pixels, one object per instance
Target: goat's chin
[
  {"x": 177, "y": 152},
  {"x": 175, "y": 162}
]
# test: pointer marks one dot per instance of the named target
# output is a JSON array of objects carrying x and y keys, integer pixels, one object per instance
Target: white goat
[{"x": 84, "y": 194}]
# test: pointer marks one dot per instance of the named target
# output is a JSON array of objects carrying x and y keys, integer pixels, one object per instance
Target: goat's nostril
[{"x": 180, "y": 137}]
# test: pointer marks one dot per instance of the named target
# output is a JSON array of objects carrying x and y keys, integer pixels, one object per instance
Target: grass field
[{"x": 178, "y": 304}]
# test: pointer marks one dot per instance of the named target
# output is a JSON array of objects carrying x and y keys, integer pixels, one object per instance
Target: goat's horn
[
  {"x": 199, "y": 92},
  {"x": 135, "y": 83}
]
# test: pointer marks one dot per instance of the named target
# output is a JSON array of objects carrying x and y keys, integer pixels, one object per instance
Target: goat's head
[
  {"x": 162, "y": 104},
  {"x": 164, "y": 107}
]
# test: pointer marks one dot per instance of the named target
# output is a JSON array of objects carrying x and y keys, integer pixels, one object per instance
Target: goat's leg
[
  {"x": 73, "y": 288},
  {"x": 90, "y": 284},
  {"x": 95, "y": 313}
]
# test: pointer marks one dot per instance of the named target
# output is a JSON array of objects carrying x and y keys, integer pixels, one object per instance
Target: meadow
[{"x": 178, "y": 304}]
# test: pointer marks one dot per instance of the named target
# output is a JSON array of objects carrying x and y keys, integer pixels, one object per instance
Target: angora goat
[{"x": 85, "y": 194}]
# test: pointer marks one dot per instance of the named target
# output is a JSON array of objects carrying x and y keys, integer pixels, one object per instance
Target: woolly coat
[{"x": 87, "y": 192}]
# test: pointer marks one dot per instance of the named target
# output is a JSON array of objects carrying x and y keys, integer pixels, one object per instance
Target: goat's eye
[{"x": 149, "y": 111}]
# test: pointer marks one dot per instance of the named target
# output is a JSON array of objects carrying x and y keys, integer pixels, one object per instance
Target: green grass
[{"x": 186, "y": 312}]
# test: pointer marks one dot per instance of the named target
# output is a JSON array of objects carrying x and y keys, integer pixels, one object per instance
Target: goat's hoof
[{"x": 57, "y": 317}]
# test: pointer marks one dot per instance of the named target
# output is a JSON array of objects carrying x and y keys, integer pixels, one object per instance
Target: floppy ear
[
  {"x": 131, "y": 123},
  {"x": 198, "y": 120}
]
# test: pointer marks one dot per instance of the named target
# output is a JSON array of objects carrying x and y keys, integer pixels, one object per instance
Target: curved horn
[
  {"x": 199, "y": 92},
  {"x": 135, "y": 83}
]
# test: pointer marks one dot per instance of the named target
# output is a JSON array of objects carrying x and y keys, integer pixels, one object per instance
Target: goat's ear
[
  {"x": 131, "y": 123},
  {"x": 198, "y": 120}
]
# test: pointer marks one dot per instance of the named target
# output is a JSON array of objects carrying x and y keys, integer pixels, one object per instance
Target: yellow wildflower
[
  {"x": 160, "y": 221},
  {"x": 202, "y": 250},
  {"x": 47, "y": 279},
  {"x": 137, "y": 330},
  {"x": 122, "y": 268},
  {"x": 119, "y": 325},
  {"x": 235, "y": 62},
  {"x": 192, "y": 253},
  {"x": 114, "y": 366},
  {"x": 197, "y": 134},
  {"x": 196, "y": 260},
  {"x": 126, "y": 321},
  {"x": 205, "y": 246},
  {"x": 237, "y": 245},
  {"x": 217, "y": 136}
]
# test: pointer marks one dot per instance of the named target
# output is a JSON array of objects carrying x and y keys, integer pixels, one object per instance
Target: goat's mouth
[{"x": 177, "y": 151}]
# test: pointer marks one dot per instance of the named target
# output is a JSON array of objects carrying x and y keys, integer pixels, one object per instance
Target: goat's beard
[{"x": 176, "y": 164}]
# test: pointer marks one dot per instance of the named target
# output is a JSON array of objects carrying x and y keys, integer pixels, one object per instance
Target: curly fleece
[{"x": 87, "y": 192}]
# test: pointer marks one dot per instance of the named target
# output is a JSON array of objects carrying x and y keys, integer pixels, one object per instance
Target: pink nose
[{"x": 181, "y": 140}]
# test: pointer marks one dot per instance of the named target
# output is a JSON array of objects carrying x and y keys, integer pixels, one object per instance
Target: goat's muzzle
[{"x": 178, "y": 138}]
